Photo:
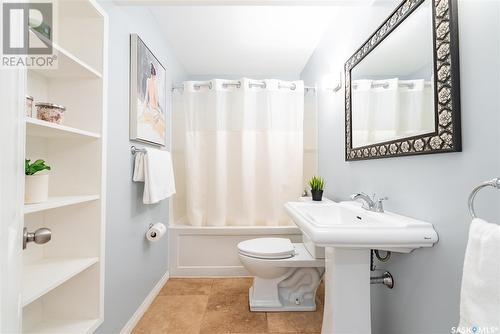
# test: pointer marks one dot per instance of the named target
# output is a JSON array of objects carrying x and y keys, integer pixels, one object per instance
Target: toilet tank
[{"x": 316, "y": 251}]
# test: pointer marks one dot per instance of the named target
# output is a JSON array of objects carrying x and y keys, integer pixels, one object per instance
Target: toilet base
[
  {"x": 259, "y": 306},
  {"x": 293, "y": 292}
]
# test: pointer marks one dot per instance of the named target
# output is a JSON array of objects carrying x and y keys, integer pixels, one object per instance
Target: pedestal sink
[{"x": 348, "y": 233}]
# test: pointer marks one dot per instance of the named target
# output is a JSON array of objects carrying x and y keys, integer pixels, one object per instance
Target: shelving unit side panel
[
  {"x": 76, "y": 167},
  {"x": 86, "y": 44},
  {"x": 77, "y": 298},
  {"x": 75, "y": 231},
  {"x": 73, "y": 305},
  {"x": 83, "y": 101},
  {"x": 37, "y": 87}
]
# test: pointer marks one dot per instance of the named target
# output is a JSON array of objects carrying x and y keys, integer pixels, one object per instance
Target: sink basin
[
  {"x": 348, "y": 233},
  {"x": 347, "y": 225}
]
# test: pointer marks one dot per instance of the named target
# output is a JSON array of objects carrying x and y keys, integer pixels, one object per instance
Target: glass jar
[
  {"x": 29, "y": 106},
  {"x": 50, "y": 112}
]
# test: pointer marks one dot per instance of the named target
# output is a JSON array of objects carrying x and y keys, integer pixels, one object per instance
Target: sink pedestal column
[{"x": 347, "y": 291}]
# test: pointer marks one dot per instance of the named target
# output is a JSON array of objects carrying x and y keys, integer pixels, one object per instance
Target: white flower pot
[{"x": 36, "y": 188}]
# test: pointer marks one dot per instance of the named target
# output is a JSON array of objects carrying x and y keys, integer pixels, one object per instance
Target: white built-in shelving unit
[{"x": 63, "y": 280}]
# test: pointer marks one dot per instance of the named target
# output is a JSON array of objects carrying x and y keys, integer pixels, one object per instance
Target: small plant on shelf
[
  {"x": 35, "y": 167},
  {"x": 317, "y": 185},
  {"x": 36, "y": 188}
]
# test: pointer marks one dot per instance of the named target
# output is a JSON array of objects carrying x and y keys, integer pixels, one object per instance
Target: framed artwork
[{"x": 148, "y": 98}]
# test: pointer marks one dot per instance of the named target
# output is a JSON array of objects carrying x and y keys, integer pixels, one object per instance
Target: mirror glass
[{"x": 393, "y": 86}]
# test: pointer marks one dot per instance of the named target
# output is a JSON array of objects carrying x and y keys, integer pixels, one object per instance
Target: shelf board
[
  {"x": 63, "y": 326},
  {"x": 57, "y": 202},
  {"x": 44, "y": 275},
  {"x": 38, "y": 128},
  {"x": 68, "y": 66}
]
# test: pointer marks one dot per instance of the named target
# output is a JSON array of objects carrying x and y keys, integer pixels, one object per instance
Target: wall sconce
[{"x": 332, "y": 82}]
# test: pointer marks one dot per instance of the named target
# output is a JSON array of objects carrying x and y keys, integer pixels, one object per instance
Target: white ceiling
[{"x": 255, "y": 41}]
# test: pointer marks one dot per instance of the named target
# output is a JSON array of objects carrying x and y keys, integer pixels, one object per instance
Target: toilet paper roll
[{"x": 155, "y": 232}]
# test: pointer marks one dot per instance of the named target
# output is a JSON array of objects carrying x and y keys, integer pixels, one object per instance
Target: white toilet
[{"x": 286, "y": 275}]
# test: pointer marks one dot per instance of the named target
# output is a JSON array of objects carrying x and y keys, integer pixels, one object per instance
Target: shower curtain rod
[
  {"x": 386, "y": 85},
  {"x": 237, "y": 84}
]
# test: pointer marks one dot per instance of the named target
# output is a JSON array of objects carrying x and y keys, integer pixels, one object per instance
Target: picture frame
[
  {"x": 447, "y": 135},
  {"x": 148, "y": 95}
]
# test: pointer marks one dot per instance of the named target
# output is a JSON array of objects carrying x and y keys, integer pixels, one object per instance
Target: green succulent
[
  {"x": 316, "y": 183},
  {"x": 35, "y": 167}
]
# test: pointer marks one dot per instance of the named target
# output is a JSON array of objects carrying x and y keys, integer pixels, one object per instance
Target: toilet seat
[{"x": 267, "y": 248}]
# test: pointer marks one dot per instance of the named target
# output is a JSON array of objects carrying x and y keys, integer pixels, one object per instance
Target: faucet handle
[{"x": 379, "y": 206}]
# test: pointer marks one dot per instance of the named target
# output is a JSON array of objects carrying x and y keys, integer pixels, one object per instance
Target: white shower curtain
[
  {"x": 384, "y": 120},
  {"x": 416, "y": 111},
  {"x": 310, "y": 135},
  {"x": 384, "y": 110},
  {"x": 243, "y": 151},
  {"x": 361, "y": 115}
]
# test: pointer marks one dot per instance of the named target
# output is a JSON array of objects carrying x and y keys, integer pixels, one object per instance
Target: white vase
[{"x": 36, "y": 188}]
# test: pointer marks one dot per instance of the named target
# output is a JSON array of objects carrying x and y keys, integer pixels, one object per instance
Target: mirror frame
[{"x": 447, "y": 136}]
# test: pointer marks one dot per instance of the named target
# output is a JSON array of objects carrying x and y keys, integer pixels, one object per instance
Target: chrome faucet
[{"x": 369, "y": 203}]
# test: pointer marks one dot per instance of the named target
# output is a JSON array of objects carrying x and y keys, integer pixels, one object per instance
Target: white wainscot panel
[{"x": 212, "y": 252}]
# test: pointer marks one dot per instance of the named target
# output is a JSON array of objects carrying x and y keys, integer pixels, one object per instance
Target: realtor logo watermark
[
  {"x": 474, "y": 330},
  {"x": 27, "y": 35}
]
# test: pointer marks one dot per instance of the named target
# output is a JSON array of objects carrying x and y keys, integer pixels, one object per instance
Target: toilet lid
[{"x": 267, "y": 248}]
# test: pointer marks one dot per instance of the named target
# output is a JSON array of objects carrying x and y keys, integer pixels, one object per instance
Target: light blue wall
[
  {"x": 133, "y": 265},
  {"x": 433, "y": 188}
]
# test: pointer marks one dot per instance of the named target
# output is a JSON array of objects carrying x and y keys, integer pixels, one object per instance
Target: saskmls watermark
[
  {"x": 27, "y": 38},
  {"x": 474, "y": 330}
]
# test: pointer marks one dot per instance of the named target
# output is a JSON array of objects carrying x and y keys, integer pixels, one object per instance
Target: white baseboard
[{"x": 132, "y": 322}]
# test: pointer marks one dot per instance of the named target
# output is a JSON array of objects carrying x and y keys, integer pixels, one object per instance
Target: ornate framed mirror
[{"x": 402, "y": 85}]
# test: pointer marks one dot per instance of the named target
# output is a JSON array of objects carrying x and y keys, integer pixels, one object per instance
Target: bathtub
[{"x": 211, "y": 251}]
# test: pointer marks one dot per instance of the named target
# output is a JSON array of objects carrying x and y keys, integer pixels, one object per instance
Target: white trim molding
[
  {"x": 132, "y": 322},
  {"x": 12, "y": 134}
]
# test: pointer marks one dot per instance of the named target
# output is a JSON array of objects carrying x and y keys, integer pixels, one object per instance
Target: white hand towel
[
  {"x": 480, "y": 295},
  {"x": 155, "y": 169},
  {"x": 139, "y": 167}
]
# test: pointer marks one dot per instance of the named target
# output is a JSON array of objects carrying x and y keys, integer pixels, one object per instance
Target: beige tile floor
[{"x": 220, "y": 305}]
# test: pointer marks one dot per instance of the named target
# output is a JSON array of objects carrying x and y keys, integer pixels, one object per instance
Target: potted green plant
[
  {"x": 317, "y": 185},
  {"x": 36, "y": 188}
]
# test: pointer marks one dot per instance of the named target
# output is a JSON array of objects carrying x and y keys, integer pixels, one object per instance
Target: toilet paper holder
[
  {"x": 155, "y": 232},
  {"x": 149, "y": 227}
]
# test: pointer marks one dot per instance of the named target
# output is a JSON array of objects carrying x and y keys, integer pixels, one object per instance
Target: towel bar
[
  {"x": 134, "y": 150},
  {"x": 491, "y": 183}
]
